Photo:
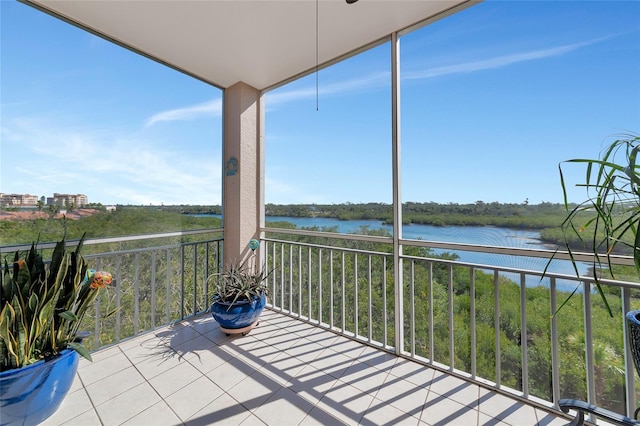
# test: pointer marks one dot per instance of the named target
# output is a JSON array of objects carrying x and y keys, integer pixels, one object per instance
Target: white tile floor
[{"x": 285, "y": 372}]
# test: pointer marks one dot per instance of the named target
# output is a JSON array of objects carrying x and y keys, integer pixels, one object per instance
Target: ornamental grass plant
[
  {"x": 43, "y": 304},
  {"x": 607, "y": 221}
]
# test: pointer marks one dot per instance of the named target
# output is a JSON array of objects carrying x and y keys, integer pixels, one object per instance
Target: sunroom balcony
[
  {"x": 333, "y": 348},
  {"x": 359, "y": 329}
]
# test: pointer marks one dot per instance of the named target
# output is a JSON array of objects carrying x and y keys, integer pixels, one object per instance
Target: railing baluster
[
  {"x": 206, "y": 275},
  {"x": 118, "y": 297},
  {"x": 290, "y": 279},
  {"x": 96, "y": 318},
  {"x": 370, "y": 312},
  {"x": 168, "y": 295},
  {"x": 496, "y": 327},
  {"x": 299, "y": 281},
  {"x": 153, "y": 289},
  {"x": 472, "y": 315},
  {"x": 331, "y": 323},
  {"x": 274, "y": 275},
  {"x": 96, "y": 325},
  {"x": 523, "y": 336},
  {"x": 385, "y": 318},
  {"x": 355, "y": 294},
  {"x": 309, "y": 284},
  {"x": 431, "y": 313},
  {"x": 195, "y": 279},
  {"x": 136, "y": 296},
  {"x": 343, "y": 295},
  {"x": 320, "y": 307},
  {"x": 555, "y": 371},
  {"x": 451, "y": 331},
  {"x": 182, "y": 254},
  {"x": 272, "y": 271},
  {"x": 412, "y": 309},
  {"x": 282, "y": 277}
]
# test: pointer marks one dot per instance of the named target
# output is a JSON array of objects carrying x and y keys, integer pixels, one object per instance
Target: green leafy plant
[
  {"x": 240, "y": 281},
  {"x": 607, "y": 220},
  {"x": 43, "y": 305}
]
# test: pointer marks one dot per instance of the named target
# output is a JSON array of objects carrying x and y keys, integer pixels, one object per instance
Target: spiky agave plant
[
  {"x": 241, "y": 281},
  {"x": 238, "y": 282},
  {"x": 43, "y": 305},
  {"x": 610, "y": 215}
]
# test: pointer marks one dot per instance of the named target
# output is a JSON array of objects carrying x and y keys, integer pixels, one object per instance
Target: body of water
[{"x": 480, "y": 235}]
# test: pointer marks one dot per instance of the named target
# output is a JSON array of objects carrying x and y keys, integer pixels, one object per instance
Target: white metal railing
[
  {"x": 482, "y": 322},
  {"x": 158, "y": 279},
  {"x": 450, "y": 308}
]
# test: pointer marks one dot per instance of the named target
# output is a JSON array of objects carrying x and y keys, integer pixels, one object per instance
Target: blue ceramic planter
[
  {"x": 30, "y": 394},
  {"x": 240, "y": 314},
  {"x": 633, "y": 329}
]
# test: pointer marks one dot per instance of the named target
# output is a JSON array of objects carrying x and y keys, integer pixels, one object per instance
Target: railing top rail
[
  {"x": 106, "y": 240},
  {"x": 150, "y": 249}
]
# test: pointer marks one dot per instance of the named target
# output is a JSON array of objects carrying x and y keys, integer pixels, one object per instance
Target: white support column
[
  {"x": 243, "y": 169},
  {"x": 261, "y": 254},
  {"x": 397, "y": 198}
]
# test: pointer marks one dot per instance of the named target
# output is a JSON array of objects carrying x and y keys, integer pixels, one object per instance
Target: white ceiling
[{"x": 259, "y": 42}]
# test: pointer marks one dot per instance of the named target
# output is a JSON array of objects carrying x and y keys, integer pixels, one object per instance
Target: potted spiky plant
[
  {"x": 42, "y": 307},
  {"x": 608, "y": 221},
  {"x": 240, "y": 294}
]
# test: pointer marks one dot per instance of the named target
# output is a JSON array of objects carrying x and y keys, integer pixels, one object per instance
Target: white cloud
[
  {"x": 109, "y": 168},
  {"x": 208, "y": 109},
  {"x": 377, "y": 79},
  {"x": 495, "y": 62}
]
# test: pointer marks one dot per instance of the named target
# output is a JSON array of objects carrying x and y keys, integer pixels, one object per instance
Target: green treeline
[
  {"x": 530, "y": 216},
  {"x": 523, "y": 216},
  {"x": 122, "y": 221}
]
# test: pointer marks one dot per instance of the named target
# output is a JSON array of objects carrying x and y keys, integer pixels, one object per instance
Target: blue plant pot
[
  {"x": 30, "y": 394},
  {"x": 633, "y": 332},
  {"x": 239, "y": 315}
]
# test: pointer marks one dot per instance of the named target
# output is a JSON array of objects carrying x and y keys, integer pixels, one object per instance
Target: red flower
[{"x": 101, "y": 279}]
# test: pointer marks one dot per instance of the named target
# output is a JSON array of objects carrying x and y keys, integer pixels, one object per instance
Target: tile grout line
[
  {"x": 93, "y": 406},
  {"x": 424, "y": 405},
  {"x": 146, "y": 380}
]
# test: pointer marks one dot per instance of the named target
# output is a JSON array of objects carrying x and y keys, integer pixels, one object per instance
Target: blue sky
[{"x": 493, "y": 98}]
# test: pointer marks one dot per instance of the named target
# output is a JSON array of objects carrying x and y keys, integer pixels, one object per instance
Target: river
[{"x": 481, "y": 235}]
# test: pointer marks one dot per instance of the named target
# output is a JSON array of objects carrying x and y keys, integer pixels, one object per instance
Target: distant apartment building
[
  {"x": 18, "y": 200},
  {"x": 67, "y": 200},
  {"x": 28, "y": 200}
]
